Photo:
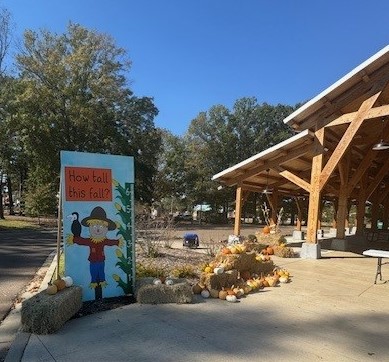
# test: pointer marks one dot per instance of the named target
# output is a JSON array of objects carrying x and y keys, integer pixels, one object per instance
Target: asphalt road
[{"x": 22, "y": 253}]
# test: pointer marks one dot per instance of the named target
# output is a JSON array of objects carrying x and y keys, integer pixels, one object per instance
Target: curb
[{"x": 12, "y": 322}]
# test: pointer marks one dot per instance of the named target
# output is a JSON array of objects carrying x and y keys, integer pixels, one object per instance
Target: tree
[
  {"x": 220, "y": 138},
  {"x": 74, "y": 95},
  {"x": 5, "y": 37}
]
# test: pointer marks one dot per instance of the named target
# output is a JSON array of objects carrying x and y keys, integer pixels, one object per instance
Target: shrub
[{"x": 184, "y": 271}]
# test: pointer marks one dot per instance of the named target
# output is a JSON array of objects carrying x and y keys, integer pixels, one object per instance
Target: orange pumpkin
[
  {"x": 226, "y": 251},
  {"x": 269, "y": 250},
  {"x": 266, "y": 230}
]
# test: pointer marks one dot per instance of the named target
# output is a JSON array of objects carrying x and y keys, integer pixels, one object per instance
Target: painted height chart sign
[{"x": 98, "y": 222}]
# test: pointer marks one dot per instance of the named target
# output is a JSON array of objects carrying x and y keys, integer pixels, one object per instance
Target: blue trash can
[{"x": 191, "y": 240}]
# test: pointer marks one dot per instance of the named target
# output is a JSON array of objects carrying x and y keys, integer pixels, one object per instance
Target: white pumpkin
[
  {"x": 219, "y": 270},
  {"x": 68, "y": 281},
  {"x": 205, "y": 293},
  {"x": 231, "y": 298},
  {"x": 169, "y": 282},
  {"x": 283, "y": 279},
  {"x": 157, "y": 281}
]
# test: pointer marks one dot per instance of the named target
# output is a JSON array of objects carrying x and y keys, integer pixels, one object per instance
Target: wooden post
[
  {"x": 238, "y": 210},
  {"x": 273, "y": 202},
  {"x": 314, "y": 199},
  {"x": 299, "y": 214},
  {"x": 344, "y": 167},
  {"x": 341, "y": 217}
]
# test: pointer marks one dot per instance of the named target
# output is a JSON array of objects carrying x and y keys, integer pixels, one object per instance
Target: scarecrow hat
[{"x": 98, "y": 213}]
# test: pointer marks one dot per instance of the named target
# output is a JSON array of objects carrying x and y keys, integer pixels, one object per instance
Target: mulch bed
[{"x": 96, "y": 306}]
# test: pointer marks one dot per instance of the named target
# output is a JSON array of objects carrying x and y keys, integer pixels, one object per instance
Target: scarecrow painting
[{"x": 98, "y": 225}]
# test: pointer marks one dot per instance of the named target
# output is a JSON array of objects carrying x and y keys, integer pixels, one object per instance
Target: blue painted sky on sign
[{"x": 191, "y": 55}]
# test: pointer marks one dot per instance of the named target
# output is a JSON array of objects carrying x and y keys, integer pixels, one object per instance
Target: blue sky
[{"x": 190, "y": 55}]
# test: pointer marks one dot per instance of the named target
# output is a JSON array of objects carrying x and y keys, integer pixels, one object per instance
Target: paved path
[
  {"x": 331, "y": 311},
  {"x": 22, "y": 253}
]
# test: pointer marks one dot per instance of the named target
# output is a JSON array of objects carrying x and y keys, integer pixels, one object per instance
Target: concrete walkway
[{"x": 330, "y": 311}]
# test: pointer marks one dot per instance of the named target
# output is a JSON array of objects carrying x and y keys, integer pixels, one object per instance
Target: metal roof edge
[
  {"x": 321, "y": 95},
  {"x": 297, "y": 136}
]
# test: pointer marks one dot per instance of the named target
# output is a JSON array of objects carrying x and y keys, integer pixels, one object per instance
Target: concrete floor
[{"x": 330, "y": 311}]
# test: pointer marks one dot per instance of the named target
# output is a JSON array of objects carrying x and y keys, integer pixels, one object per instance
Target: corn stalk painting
[{"x": 125, "y": 211}]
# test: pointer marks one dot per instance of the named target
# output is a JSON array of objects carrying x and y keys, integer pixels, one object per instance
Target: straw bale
[
  {"x": 148, "y": 293},
  {"x": 44, "y": 313}
]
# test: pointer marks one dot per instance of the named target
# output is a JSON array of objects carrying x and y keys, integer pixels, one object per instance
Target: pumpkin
[
  {"x": 266, "y": 230},
  {"x": 271, "y": 281},
  {"x": 51, "y": 289},
  {"x": 60, "y": 284},
  {"x": 157, "y": 281},
  {"x": 238, "y": 292},
  {"x": 205, "y": 293},
  {"x": 247, "y": 289},
  {"x": 214, "y": 293},
  {"x": 269, "y": 250},
  {"x": 169, "y": 281},
  {"x": 234, "y": 250},
  {"x": 68, "y": 281},
  {"x": 219, "y": 270},
  {"x": 223, "y": 294},
  {"x": 197, "y": 289},
  {"x": 283, "y": 279},
  {"x": 231, "y": 298},
  {"x": 226, "y": 251},
  {"x": 208, "y": 269}
]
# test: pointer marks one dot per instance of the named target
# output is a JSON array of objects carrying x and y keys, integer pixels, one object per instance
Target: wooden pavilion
[{"x": 332, "y": 155}]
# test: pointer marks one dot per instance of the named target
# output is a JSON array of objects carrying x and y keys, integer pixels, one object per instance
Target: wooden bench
[{"x": 379, "y": 254}]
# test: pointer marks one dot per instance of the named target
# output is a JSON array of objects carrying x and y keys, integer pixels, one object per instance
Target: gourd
[
  {"x": 169, "y": 282},
  {"x": 157, "y": 281},
  {"x": 68, "y": 281},
  {"x": 231, "y": 298},
  {"x": 205, "y": 293},
  {"x": 223, "y": 294},
  {"x": 197, "y": 289},
  {"x": 52, "y": 289},
  {"x": 60, "y": 284},
  {"x": 234, "y": 250},
  {"x": 266, "y": 230},
  {"x": 271, "y": 281},
  {"x": 269, "y": 250},
  {"x": 214, "y": 293},
  {"x": 283, "y": 279},
  {"x": 218, "y": 270},
  {"x": 226, "y": 251},
  {"x": 208, "y": 269}
]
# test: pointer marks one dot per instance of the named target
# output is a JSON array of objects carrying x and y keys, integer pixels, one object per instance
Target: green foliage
[
  {"x": 143, "y": 271},
  {"x": 41, "y": 200},
  {"x": 184, "y": 271},
  {"x": 216, "y": 140},
  {"x": 72, "y": 94}
]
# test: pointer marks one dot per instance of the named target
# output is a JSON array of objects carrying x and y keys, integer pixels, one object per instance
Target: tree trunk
[
  {"x": 10, "y": 198},
  {"x": 1, "y": 196}
]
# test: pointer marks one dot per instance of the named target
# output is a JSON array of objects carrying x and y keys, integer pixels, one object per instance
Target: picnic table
[{"x": 379, "y": 254}]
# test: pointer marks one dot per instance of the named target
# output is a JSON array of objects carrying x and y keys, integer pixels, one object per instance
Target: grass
[{"x": 6, "y": 224}]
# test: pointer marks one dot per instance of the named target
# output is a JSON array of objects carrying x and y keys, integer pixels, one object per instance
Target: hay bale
[
  {"x": 240, "y": 262},
  {"x": 44, "y": 313},
  {"x": 264, "y": 267},
  {"x": 219, "y": 281},
  {"x": 148, "y": 293}
]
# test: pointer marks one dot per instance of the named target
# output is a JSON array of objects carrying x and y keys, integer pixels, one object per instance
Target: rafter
[
  {"x": 347, "y": 138},
  {"x": 274, "y": 162}
]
